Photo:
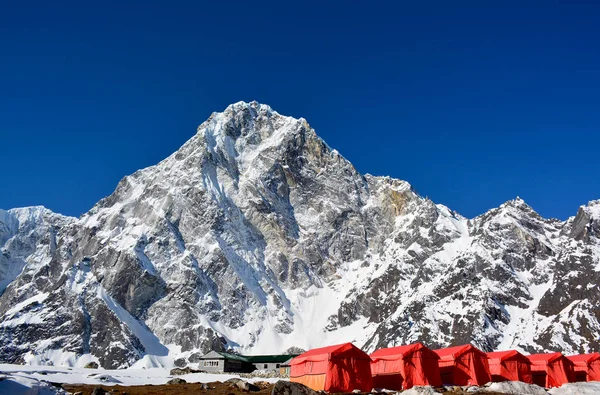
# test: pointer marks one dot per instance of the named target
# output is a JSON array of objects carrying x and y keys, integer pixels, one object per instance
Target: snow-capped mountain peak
[{"x": 256, "y": 235}]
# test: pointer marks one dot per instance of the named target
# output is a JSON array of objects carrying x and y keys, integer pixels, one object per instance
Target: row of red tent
[{"x": 345, "y": 368}]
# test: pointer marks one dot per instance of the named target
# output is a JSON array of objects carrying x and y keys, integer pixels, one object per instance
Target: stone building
[{"x": 218, "y": 361}]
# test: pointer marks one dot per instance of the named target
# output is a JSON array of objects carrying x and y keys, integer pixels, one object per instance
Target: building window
[
  {"x": 211, "y": 363},
  {"x": 278, "y": 366},
  {"x": 266, "y": 366}
]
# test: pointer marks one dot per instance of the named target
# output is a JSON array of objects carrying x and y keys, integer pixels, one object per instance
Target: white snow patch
[
  {"x": 516, "y": 388},
  {"x": 21, "y": 385},
  {"x": 589, "y": 388},
  {"x": 55, "y": 357},
  {"x": 39, "y": 298},
  {"x": 126, "y": 377},
  {"x": 151, "y": 343}
]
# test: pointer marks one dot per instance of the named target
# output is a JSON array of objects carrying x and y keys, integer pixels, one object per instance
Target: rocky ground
[
  {"x": 215, "y": 388},
  {"x": 53, "y": 382}
]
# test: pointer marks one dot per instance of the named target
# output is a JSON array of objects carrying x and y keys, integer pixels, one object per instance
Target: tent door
[
  {"x": 447, "y": 377},
  {"x": 539, "y": 378},
  {"x": 580, "y": 376}
]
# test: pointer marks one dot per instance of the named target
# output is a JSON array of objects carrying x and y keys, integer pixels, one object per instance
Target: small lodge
[
  {"x": 401, "y": 368},
  {"x": 551, "y": 370},
  {"x": 463, "y": 365},
  {"x": 586, "y": 366},
  {"x": 509, "y": 365},
  {"x": 224, "y": 362},
  {"x": 339, "y": 368}
]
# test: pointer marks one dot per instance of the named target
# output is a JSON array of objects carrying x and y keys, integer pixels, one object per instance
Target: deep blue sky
[{"x": 473, "y": 104}]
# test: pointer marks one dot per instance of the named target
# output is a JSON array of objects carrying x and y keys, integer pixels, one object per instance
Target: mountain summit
[{"x": 255, "y": 235}]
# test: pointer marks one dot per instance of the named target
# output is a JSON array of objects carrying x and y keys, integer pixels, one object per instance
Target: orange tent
[
  {"x": 586, "y": 366},
  {"x": 403, "y": 367},
  {"x": 509, "y": 365},
  {"x": 463, "y": 365},
  {"x": 341, "y": 368},
  {"x": 551, "y": 370}
]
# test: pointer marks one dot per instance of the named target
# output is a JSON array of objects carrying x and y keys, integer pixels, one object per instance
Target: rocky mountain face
[{"x": 255, "y": 235}]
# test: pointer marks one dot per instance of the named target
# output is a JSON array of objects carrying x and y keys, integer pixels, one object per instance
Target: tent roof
[
  {"x": 397, "y": 352},
  {"x": 587, "y": 358},
  {"x": 327, "y": 350},
  {"x": 457, "y": 351},
  {"x": 549, "y": 357},
  {"x": 324, "y": 353},
  {"x": 504, "y": 355}
]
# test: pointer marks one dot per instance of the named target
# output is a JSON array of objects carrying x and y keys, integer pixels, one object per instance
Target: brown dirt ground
[
  {"x": 173, "y": 389},
  {"x": 194, "y": 388}
]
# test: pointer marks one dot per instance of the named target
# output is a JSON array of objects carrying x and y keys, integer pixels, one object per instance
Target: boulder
[
  {"x": 262, "y": 384},
  {"x": 420, "y": 390},
  {"x": 516, "y": 387},
  {"x": 176, "y": 380},
  {"x": 290, "y": 388},
  {"x": 242, "y": 385},
  {"x": 99, "y": 391},
  {"x": 194, "y": 358},
  {"x": 180, "y": 362},
  {"x": 451, "y": 388},
  {"x": 105, "y": 378},
  {"x": 91, "y": 365}
]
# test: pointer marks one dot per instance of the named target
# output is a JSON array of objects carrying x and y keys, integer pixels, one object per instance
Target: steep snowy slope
[{"x": 256, "y": 235}]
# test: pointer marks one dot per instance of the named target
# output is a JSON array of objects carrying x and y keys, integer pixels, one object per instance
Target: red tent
[
  {"x": 463, "y": 365},
  {"x": 341, "y": 368},
  {"x": 509, "y": 365},
  {"x": 551, "y": 370},
  {"x": 403, "y": 367},
  {"x": 586, "y": 366}
]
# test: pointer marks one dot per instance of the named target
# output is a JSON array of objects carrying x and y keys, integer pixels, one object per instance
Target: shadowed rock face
[{"x": 256, "y": 235}]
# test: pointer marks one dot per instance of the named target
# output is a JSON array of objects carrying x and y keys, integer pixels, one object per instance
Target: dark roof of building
[
  {"x": 224, "y": 355},
  {"x": 269, "y": 358},
  {"x": 248, "y": 358},
  {"x": 235, "y": 357}
]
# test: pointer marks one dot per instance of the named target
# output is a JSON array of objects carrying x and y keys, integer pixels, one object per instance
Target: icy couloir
[{"x": 256, "y": 235}]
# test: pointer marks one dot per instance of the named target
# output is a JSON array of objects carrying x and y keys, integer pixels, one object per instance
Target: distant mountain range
[{"x": 256, "y": 236}]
